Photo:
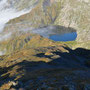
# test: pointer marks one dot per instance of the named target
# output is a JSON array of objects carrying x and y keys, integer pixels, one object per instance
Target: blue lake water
[
  {"x": 71, "y": 36},
  {"x": 57, "y": 33}
]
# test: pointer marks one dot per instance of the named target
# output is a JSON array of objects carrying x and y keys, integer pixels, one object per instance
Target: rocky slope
[
  {"x": 68, "y": 13},
  {"x": 21, "y": 5},
  {"x": 39, "y": 16},
  {"x": 44, "y": 64},
  {"x": 76, "y": 14}
]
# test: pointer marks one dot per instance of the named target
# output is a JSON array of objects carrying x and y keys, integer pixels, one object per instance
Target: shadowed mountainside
[{"x": 45, "y": 65}]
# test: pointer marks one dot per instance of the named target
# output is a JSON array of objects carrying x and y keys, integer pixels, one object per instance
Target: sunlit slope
[
  {"x": 12, "y": 9},
  {"x": 24, "y": 40},
  {"x": 39, "y": 16}
]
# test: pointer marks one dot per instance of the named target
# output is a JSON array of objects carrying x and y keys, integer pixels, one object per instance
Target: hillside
[
  {"x": 67, "y": 13},
  {"x": 44, "y": 64},
  {"x": 29, "y": 61}
]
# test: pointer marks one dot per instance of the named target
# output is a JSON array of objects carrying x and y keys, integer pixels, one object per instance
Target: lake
[
  {"x": 71, "y": 36},
  {"x": 57, "y": 33}
]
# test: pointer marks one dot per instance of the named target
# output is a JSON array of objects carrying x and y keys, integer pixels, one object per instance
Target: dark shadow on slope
[
  {"x": 43, "y": 55},
  {"x": 83, "y": 52},
  {"x": 23, "y": 66},
  {"x": 70, "y": 60}
]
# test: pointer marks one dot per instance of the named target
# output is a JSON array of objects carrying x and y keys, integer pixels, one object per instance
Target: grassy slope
[{"x": 38, "y": 58}]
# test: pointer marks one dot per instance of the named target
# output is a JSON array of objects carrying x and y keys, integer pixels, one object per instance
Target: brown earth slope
[{"x": 44, "y": 64}]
